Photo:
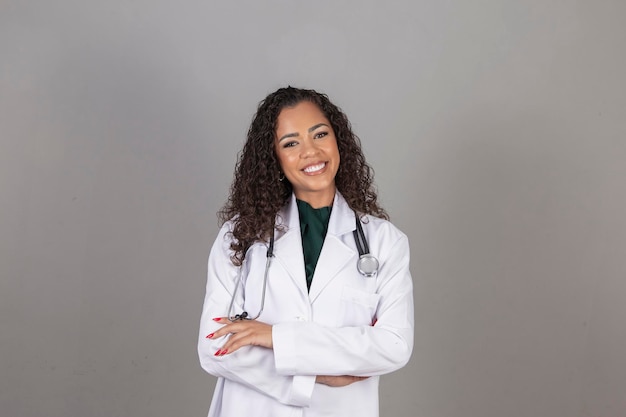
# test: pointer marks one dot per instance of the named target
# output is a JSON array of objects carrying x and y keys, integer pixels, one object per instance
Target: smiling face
[{"x": 307, "y": 151}]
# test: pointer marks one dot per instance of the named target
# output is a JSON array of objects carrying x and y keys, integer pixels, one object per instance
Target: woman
[{"x": 328, "y": 328}]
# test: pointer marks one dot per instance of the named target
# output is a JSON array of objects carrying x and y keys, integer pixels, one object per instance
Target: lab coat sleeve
[
  {"x": 310, "y": 348},
  {"x": 251, "y": 366}
]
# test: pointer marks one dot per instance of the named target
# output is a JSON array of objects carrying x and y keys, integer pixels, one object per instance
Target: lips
[{"x": 314, "y": 168}]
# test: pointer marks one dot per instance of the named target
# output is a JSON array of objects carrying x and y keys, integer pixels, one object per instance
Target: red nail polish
[
  {"x": 210, "y": 336},
  {"x": 218, "y": 352},
  {"x": 224, "y": 352},
  {"x": 217, "y": 319}
]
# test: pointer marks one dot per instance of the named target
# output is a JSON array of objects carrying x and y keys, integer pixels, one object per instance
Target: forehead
[{"x": 303, "y": 115}]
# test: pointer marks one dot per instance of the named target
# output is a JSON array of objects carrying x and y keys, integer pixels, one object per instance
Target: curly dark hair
[{"x": 257, "y": 192}]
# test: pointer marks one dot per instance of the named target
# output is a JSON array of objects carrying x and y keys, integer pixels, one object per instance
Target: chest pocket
[{"x": 358, "y": 307}]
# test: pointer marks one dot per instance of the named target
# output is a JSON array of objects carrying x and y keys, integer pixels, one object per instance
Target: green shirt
[{"x": 313, "y": 228}]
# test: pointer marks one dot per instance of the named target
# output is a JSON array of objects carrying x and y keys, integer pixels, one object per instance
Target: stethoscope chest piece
[{"x": 367, "y": 265}]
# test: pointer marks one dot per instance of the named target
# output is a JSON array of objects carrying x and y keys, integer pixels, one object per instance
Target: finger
[
  {"x": 227, "y": 329},
  {"x": 231, "y": 328},
  {"x": 242, "y": 337},
  {"x": 249, "y": 333},
  {"x": 226, "y": 347},
  {"x": 222, "y": 320}
]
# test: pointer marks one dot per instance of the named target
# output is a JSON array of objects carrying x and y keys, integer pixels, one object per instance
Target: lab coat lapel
[
  {"x": 288, "y": 245},
  {"x": 335, "y": 253}
]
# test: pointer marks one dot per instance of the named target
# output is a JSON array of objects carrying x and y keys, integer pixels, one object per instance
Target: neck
[{"x": 317, "y": 199}]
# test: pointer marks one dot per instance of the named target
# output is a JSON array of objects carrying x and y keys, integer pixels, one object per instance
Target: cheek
[
  {"x": 280, "y": 160},
  {"x": 334, "y": 150},
  {"x": 279, "y": 155},
  {"x": 284, "y": 160}
]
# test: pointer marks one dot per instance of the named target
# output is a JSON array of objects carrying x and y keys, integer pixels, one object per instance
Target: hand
[
  {"x": 338, "y": 381},
  {"x": 243, "y": 333}
]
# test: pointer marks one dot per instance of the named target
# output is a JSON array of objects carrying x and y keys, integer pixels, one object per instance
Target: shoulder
[
  {"x": 384, "y": 237},
  {"x": 227, "y": 228},
  {"x": 224, "y": 239},
  {"x": 388, "y": 243},
  {"x": 374, "y": 227},
  {"x": 383, "y": 227}
]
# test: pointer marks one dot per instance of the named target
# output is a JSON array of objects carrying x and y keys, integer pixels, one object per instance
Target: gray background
[{"x": 497, "y": 131}]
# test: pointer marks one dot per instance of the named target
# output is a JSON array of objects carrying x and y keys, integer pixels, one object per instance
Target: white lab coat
[{"x": 346, "y": 324}]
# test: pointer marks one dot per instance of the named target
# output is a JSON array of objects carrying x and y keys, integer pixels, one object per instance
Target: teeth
[{"x": 314, "y": 168}]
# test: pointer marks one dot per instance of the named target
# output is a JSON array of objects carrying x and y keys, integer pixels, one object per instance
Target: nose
[{"x": 309, "y": 148}]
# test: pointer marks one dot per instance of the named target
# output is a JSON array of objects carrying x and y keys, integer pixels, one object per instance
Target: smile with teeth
[{"x": 314, "y": 168}]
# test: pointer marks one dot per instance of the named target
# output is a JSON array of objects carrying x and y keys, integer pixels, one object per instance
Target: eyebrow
[{"x": 294, "y": 135}]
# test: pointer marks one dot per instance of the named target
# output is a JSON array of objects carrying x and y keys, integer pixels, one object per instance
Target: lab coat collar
[
  {"x": 341, "y": 219},
  {"x": 335, "y": 253}
]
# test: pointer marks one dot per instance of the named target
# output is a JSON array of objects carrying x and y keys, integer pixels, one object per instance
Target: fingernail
[
  {"x": 217, "y": 319},
  {"x": 218, "y": 352},
  {"x": 224, "y": 352},
  {"x": 210, "y": 336}
]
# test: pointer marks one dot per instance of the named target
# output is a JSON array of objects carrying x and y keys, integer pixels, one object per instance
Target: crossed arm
[{"x": 255, "y": 333}]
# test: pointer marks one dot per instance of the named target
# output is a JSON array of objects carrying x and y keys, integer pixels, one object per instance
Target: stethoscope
[{"x": 367, "y": 265}]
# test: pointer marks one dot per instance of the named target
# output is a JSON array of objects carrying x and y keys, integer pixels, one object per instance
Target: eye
[
  {"x": 290, "y": 144},
  {"x": 320, "y": 135}
]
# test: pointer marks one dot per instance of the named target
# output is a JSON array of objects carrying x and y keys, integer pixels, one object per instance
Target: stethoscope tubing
[{"x": 367, "y": 265}]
